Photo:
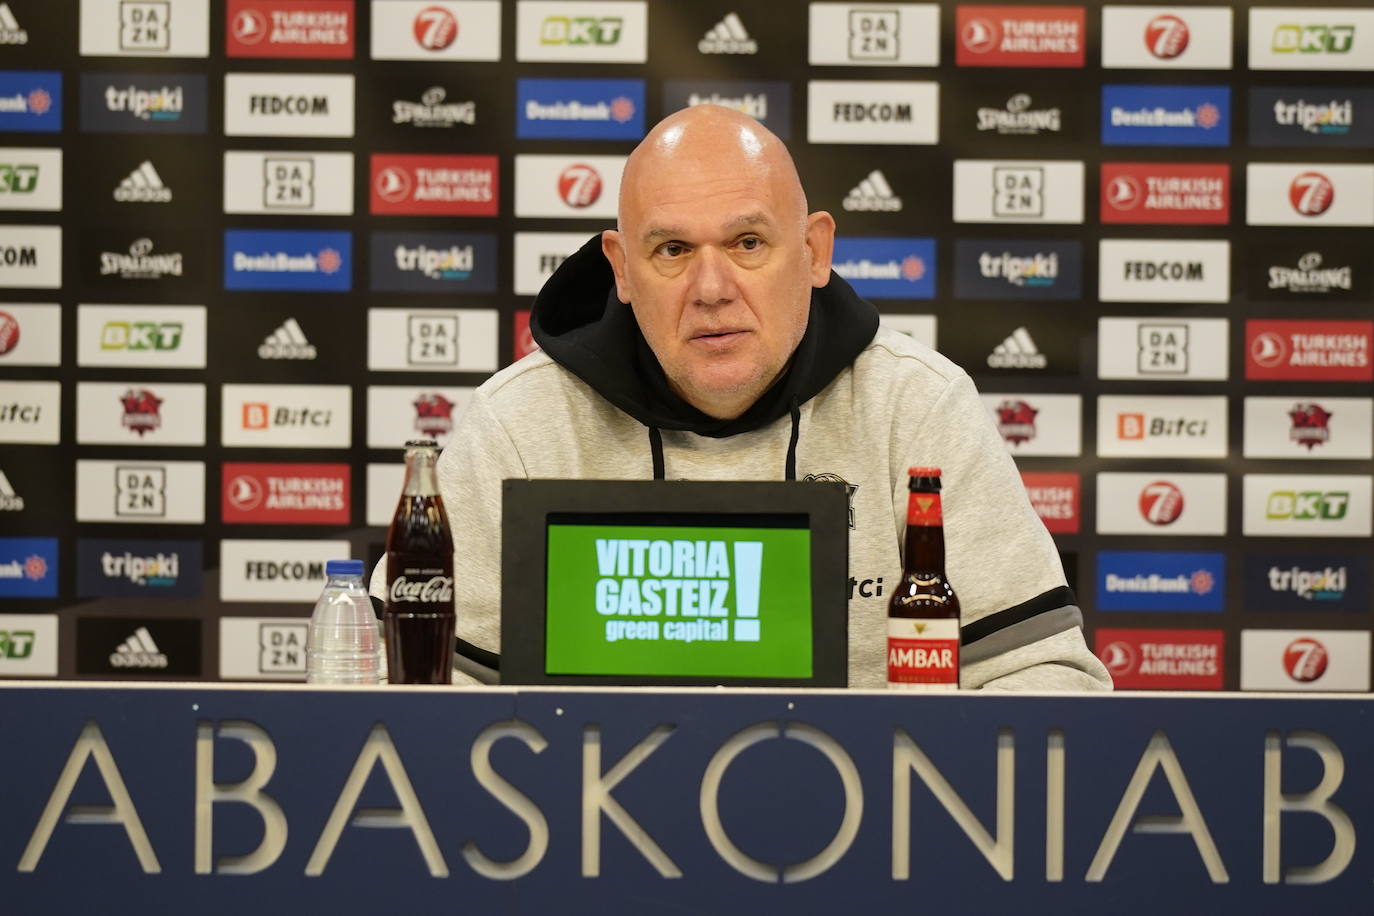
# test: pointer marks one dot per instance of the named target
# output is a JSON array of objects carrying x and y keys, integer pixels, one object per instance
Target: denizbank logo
[
  {"x": 1166, "y": 115},
  {"x": 288, "y": 260},
  {"x": 729, "y": 600},
  {"x": 579, "y": 109},
  {"x": 1147, "y": 581},
  {"x": 887, "y": 268},
  {"x": 31, "y": 101}
]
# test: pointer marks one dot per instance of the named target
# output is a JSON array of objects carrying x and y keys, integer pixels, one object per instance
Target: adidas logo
[
  {"x": 10, "y": 32},
  {"x": 10, "y": 501},
  {"x": 143, "y": 185},
  {"x": 138, "y": 651},
  {"x": 1017, "y": 352},
  {"x": 728, "y": 36},
  {"x": 873, "y": 193},
  {"x": 287, "y": 342}
]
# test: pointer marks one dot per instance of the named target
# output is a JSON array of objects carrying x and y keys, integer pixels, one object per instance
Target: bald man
[{"x": 706, "y": 338}]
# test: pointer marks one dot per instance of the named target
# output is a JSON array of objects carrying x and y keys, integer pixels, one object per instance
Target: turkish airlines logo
[
  {"x": 393, "y": 185},
  {"x": 291, "y": 494},
  {"x": 434, "y": 185},
  {"x": 435, "y": 28},
  {"x": 579, "y": 185},
  {"x": 1123, "y": 193},
  {"x": 1054, "y": 496},
  {"x": 1166, "y": 36},
  {"x": 979, "y": 35},
  {"x": 1020, "y": 36},
  {"x": 1162, "y": 659},
  {"x": 1161, "y": 503},
  {"x": 1311, "y": 193},
  {"x": 1165, "y": 193},
  {"x": 1120, "y": 658},
  {"x": 250, "y": 27},
  {"x": 1305, "y": 659},
  {"x": 1316, "y": 350}
]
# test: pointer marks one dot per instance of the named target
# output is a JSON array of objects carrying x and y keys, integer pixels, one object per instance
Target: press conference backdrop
[{"x": 248, "y": 248}]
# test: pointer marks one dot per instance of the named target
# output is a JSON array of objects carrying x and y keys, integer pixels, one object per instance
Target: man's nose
[{"x": 713, "y": 277}]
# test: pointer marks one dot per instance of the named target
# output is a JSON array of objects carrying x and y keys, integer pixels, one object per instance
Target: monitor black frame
[{"x": 528, "y": 504}]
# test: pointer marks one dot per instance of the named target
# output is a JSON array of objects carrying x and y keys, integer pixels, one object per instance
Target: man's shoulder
[
  {"x": 528, "y": 375},
  {"x": 894, "y": 357}
]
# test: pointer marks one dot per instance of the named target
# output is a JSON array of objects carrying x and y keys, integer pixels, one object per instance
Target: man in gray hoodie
[{"x": 706, "y": 338}]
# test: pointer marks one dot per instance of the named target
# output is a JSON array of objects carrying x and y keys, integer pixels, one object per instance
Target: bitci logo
[
  {"x": 579, "y": 185},
  {"x": 1311, "y": 193},
  {"x": 1166, "y": 36},
  {"x": 1161, "y": 503},
  {"x": 1305, "y": 659},
  {"x": 435, "y": 28}
]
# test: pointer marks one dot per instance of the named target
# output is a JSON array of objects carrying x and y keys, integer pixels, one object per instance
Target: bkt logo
[
  {"x": 1166, "y": 115},
  {"x": 1141, "y": 581},
  {"x": 288, "y": 260},
  {"x": 31, "y": 101},
  {"x": 1307, "y": 505},
  {"x": 579, "y": 109},
  {"x": 1313, "y": 39},
  {"x": 580, "y": 30},
  {"x": 887, "y": 268}
]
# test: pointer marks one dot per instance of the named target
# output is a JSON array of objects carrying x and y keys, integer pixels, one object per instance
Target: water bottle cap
[{"x": 343, "y": 568}]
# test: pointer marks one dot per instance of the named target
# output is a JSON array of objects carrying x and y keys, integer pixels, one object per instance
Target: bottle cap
[
  {"x": 924, "y": 472},
  {"x": 343, "y": 568},
  {"x": 422, "y": 443}
]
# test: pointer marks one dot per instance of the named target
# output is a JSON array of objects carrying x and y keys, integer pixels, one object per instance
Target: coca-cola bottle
[{"x": 419, "y": 615}]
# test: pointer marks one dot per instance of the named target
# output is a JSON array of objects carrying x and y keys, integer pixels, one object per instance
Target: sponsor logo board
[
  {"x": 1150, "y": 270},
  {"x": 288, "y": 105},
  {"x": 287, "y": 416},
  {"x": 170, "y": 263},
  {"x": 288, "y": 341},
  {"x": 522, "y": 340},
  {"x": 290, "y": 28},
  {"x": 140, "y": 413},
  {"x": 1019, "y": 36},
  {"x": 1306, "y": 505},
  {"x": 137, "y": 103},
  {"x": 384, "y": 482},
  {"x": 1164, "y": 349},
  {"x": 887, "y": 268},
  {"x": 138, "y": 646},
  {"x": 1290, "y": 194},
  {"x": 1163, "y": 659},
  {"x": 1145, "y": 581},
  {"x": 288, "y": 182},
  {"x": 729, "y": 36},
  {"x": 872, "y": 111},
  {"x": 579, "y": 109},
  {"x": 1307, "y": 426},
  {"x": 609, "y": 31},
  {"x": 1166, "y": 38},
  {"x": 1017, "y": 191},
  {"x": 1055, "y": 497},
  {"x": 1326, "y": 351},
  {"x": 1170, "y": 193},
  {"x": 1038, "y": 424},
  {"x": 1161, "y": 502},
  {"x": 398, "y": 413},
  {"x": 1161, "y": 426},
  {"x": 284, "y": 494},
  {"x": 262, "y": 648},
  {"x": 1321, "y": 660},
  {"x": 767, "y": 101},
  {"x": 1317, "y": 116},
  {"x": 288, "y": 260},
  {"x": 1325, "y": 271},
  {"x": 431, "y": 340},
  {"x": 30, "y": 335},
  {"x": 874, "y": 35},
  {"x": 918, "y": 327},
  {"x": 31, "y": 257},
  {"x": 568, "y": 186},
  {"x": 275, "y": 570},
  {"x": 141, "y": 336},
  {"x": 30, "y": 178},
  {"x": 140, "y": 491},
  {"x": 31, "y": 101},
  {"x": 1166, "y": 115},
  {"x": 873, "y": 194},
  {"x": 434, "y": 185},
  {"x": 438, "y": 30},
  {"x": 538, "y": 254},
  {"x": 438, "y": 262},
  {"x": 28, "y": 567},
  {"x": 30, "y": 412},
  {"x": 1022, "y": 115},
  {"x": 1017, "y": 269},
  {"x": 136, "y": 568},
  {"x": 145, "y": 28},
  {"x": 1298, "y": 583},
  {"x": 28, "y": 645},
  {"x": 998, "y": 346},
  {"x": 1311, "y": 38},
  {"x": 408, "y": 104}
]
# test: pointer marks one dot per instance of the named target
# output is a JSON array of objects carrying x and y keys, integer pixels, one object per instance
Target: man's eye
[
  {"x": 751, "y": 243},
  {"x": 672, "y": 249}
]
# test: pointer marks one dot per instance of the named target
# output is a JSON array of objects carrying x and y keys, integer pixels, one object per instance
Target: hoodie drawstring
[
  {"x": 656, "y": 448},
  {"x": 789, "y": 473}
]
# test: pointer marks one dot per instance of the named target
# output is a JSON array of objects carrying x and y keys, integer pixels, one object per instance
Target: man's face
[{"x": 718, "y": 265}]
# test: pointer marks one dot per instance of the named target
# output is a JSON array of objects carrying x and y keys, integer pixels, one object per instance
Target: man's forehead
[{"x": 727, "y": 224}]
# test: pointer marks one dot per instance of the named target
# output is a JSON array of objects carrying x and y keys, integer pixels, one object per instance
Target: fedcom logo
[
  {"x": 872, "y": 111},
  {"x": 275, "y": 570},
  {"x": 1148, "y": 270},
  {"x": 288, "y": 105}
]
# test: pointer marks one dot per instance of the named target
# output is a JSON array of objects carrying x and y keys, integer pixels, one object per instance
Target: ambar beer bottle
[
  {"x": 923, "y": 615},
  {"x": 419, "y": 616}
]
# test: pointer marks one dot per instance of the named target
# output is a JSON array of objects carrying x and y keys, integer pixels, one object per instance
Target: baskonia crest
[
  {"x": 433, "y": 415},
  {"x": 141, "y": 408},
  {"x": 1311, "y": 425},
  {"x": 1016, "y": 421}
]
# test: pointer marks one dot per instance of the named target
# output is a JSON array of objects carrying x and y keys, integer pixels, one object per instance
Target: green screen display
[{"x": 678, "y": 601}]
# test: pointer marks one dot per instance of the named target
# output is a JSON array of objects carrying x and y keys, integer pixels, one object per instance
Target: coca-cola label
[
  {"x": 923, "y": 509},
  {"x": 923, "y": 653},
  {"x": 421, "y": 589}
]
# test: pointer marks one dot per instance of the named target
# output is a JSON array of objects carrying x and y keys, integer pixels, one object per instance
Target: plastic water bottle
[{"x": 343, "y": 646}]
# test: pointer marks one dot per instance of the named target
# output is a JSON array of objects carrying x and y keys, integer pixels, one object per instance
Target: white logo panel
[
  {"x": 145, "y": 28},
  {"x": 1286, "y": 194},
  {"x": 1161, "y": 502},
  {"x": 283, "y": 416},
  {"x": 397, "y": 413},
  {"x": 1018, "y": 191},
  {"x": 436, "y": 30},
  {"x": 1304, "y": 660},
  {"x": 874, "y": 35},
  {"x": 34, "y": 641},
  {"x": 141, "y": 492},
  {"x": 30, "y": 178},
  {"x": 1311, "y": 38},
  {"x": 31, "y": 412},
  {"x": 140, "y": 413},
  {"x": 871, "y": 111},
  {"x": 276, "y": 570},
  {"x": 288, "y": 105},
  {"x": 1162, "y": 349},
  {"x": 1306, "y": 505},
  {"x": 564, "y": 186},
  {"x": 1308, "y": 427},
  {"x": 31, "y": 257},
  {"x": 262, "y": 648},
  {"x": 426, "y": 340},
  {"x": 538, "y": 254},
  {"x": 1166, "y": 37},
  {"x": 141, "y": 336},
  {"x": 288, "y": 182},
  {"x": 30, "y": 335},
  {"x": 384, "y": 482},
  {"x": 921, "y": 327},
  {"x": 1038, "y": 424},
  {"x": 612, "y": 31},
  {"x": 1163, "y": 426},
  {"x": 1149, "y": 270}
]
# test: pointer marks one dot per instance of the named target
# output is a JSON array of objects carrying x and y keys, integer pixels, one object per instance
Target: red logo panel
[
  {"x": 1055, "y": 497},
  {"x": 1325, "y": 351},
  {"x": 1020, "y": 36},
  {"x": 523, "y": 341},
  {"x": 1160, "y": 192},
  {"x": 406, "y": 184},
  {"x": 285, "y": 494},
  {"x": 1163, "y": 659},
  {"x": 289, "y": 28}
]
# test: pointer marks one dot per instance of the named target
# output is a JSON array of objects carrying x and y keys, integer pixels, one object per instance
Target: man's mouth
[{"x": 717, "y": 340}]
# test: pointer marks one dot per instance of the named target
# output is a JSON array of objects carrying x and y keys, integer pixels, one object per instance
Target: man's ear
[
  {"x": 820, "y": 239},
  {"x": 615, "y": 253}
]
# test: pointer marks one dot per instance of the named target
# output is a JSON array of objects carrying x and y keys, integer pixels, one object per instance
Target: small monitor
[{"x": 674, "y": 583}]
